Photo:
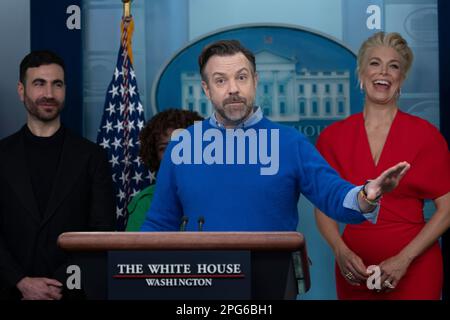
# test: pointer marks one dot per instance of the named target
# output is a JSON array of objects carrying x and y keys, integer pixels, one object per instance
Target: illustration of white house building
[{"x": 284, "y": 94}]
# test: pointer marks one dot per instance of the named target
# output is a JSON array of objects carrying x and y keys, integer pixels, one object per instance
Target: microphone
[
  {"x": 200, "y": 221},
  {"x": 184, "y": 222}
]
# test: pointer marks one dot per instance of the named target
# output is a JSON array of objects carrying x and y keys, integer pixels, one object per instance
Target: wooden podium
[{"x": 189, "y": 265}]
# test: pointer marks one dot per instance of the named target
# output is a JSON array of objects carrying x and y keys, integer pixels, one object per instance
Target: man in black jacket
[{"x": 51, "y": 181}]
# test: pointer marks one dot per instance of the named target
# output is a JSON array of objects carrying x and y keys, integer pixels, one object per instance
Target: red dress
[{"x": 345, "y": 146}]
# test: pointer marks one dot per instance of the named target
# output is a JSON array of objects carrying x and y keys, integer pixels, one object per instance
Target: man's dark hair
[
  {"x": 224, "y": 48},
  {"x": 38, "y": 58},
  {"x": 156, "y": 127}
]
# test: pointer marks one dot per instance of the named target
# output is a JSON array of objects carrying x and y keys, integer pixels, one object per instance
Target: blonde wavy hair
[{"x": 392, "y": 40}]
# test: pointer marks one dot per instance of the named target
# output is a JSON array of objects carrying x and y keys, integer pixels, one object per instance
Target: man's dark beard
[{"x": 33, "y": 108}]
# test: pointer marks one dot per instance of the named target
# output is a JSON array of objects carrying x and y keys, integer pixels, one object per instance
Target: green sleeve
[{"x": 138, "y": 207}]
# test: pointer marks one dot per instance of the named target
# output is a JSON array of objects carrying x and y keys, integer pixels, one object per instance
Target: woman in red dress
[{"x": 402, "y": 244}]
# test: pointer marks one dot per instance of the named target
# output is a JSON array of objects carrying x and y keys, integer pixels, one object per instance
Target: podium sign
[
  {"x": 165, "y": 275},
  {"x": 188, "y": 265}
]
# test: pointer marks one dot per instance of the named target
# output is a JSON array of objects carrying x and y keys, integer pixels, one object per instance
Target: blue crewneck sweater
[{"x": 237, "y": 197}]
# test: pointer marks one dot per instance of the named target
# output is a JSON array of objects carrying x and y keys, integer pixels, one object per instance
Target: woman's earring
[{"x": 361, "y": 87}]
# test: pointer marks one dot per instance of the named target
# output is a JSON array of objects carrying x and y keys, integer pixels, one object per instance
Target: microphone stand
[
  {"x": 184, "y": 222},
  {"x": 200, "y": 221}
]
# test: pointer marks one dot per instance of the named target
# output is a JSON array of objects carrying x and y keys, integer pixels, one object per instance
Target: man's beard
[
  {"x": 44, "y": 109},
  {"x": 243, "y": 114}
]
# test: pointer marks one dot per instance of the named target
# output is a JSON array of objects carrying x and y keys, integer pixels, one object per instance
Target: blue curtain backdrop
[
  {"x": 444, "y": 81},
  {"x": 48, "y": 24}
]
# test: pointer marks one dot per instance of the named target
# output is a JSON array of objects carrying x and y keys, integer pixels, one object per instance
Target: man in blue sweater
[{"x": 239, "y": 171}]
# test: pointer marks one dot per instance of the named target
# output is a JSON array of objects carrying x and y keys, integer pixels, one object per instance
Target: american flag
[{"x": 123, "y": 118}]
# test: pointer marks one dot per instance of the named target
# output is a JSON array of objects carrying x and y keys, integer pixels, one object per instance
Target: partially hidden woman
[{"x": 154, "y": 138}]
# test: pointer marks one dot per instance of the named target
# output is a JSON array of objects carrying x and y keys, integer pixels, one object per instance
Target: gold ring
[
  {"x": 349, "y": 275},
  {"x": 387, "y": 284}
]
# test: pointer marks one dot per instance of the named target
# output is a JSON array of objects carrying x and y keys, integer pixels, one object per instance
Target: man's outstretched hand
[{"x": 387, "y": 181}]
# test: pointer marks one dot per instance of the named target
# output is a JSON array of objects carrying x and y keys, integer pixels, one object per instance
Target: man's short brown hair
[{"x": 224, "y": 48}]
